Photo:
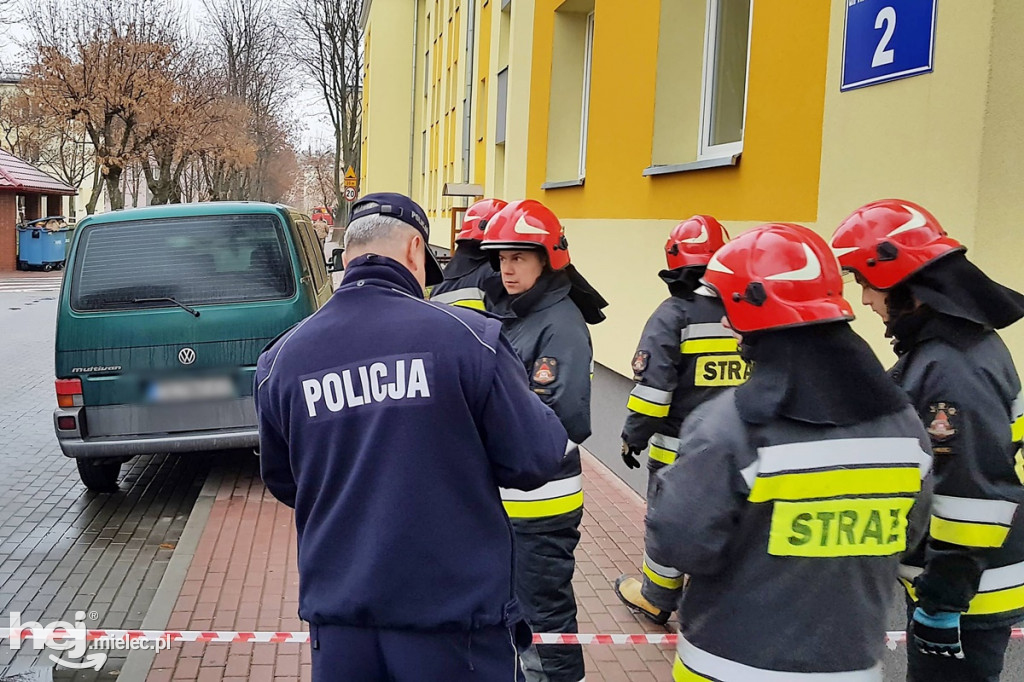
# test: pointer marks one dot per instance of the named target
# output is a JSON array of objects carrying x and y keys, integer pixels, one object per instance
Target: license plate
[{"x": 188, "y": 390}]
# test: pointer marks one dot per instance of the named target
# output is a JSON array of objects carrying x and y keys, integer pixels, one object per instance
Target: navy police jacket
[{"x": 389, "y": 423}]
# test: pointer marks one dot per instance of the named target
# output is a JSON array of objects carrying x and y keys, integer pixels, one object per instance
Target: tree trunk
[
  {"x": 115, "y": 192},
  {"x": 97, "y": 189}
]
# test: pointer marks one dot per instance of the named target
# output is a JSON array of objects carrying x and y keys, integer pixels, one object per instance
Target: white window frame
[
  {"x": 588, "y": 58},
  {"x": 501, "y": 119},
  {"x": 706, "y": 150}
]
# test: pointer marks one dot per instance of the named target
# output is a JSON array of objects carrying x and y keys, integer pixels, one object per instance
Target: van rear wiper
[{"x": 176, "y": 302}]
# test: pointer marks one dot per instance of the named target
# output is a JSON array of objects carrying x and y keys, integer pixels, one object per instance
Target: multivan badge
[
  {"x": 944, "y": 418},
  {"x": 545, "y": 371}
]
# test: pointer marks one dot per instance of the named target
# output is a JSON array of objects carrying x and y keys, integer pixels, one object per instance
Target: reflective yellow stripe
[
  {"x": 661, "y": 455},
  {"x": 535, "y": 509},
  {"x": 985, "y": 603},
  {"x": 968, "y": 534},
  {"x": 1019, "y": 465},
  {"x": 662, "y": 581},
  {"x": 697, "y": 346},
  {"x": 472, "y": 303},
  {"x": 680, "y": 673},
  {"x": 645, "y": 407},
  {"x": 1017, "y": 429},
  {"x": 835, "y": 483}
]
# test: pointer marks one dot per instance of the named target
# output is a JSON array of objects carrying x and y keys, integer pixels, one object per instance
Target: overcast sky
[{"x": 307, "y": 107}]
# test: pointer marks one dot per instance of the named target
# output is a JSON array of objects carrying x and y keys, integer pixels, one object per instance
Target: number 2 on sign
[{"x": 883, "y": 53}]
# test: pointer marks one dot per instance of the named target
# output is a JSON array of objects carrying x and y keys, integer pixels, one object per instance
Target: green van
[{"x": 162, "y": 316}]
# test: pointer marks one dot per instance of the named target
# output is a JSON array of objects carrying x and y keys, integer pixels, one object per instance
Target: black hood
[
  {"x": 585, "y": 296},
  {"x": 954, "y": 286},
  {"x": 468, "y": 257},
  {"x": 682, "y": 282},
  {"x": 819, "y": 374}
]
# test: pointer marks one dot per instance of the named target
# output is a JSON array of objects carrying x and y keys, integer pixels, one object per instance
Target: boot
[{"x": 629, "y": 590}]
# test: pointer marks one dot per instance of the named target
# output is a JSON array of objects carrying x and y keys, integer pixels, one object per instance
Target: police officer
[
  {"x": 685, "y": 356},
  {"x": 546, "y": 305},
  {"x": 941, "y": 311},
  {"x": 470, "y": 267},
  {"x": 788, "y": 505},
  {"x": 391, "y": 446}
]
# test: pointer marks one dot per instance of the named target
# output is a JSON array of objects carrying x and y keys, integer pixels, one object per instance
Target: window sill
[
  {"x": 692, "y": 166},
  {"x": 562, "y": 184}
]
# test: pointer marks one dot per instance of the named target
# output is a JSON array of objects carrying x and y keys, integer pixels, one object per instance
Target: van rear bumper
[
  {"x": 228, "y": 426},
  {"x": 179, "y": 443}
]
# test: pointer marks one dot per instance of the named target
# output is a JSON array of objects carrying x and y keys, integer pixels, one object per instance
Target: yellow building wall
[
  {"x": 778, "y": 172},
  {"x": 617, "y": 223},
  {"x": 949, "y": 140},
  {"x": 386, "y": 98}
]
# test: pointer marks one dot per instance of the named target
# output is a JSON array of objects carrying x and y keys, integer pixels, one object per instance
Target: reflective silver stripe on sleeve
[
  {"x": 1001, "y": 578},
  {"x": 469, "y": 293},
  {"x": 973, "y": 510},
  {"x": 992, "y": 579},
  {"x": 846, "y": 452},
  {"x": 705, "y": 330},
  {"x": 1017, "y": 408},
  {"x": 666, "y": 442},
  {"x": 749, "y": 473},
  {"x": 715, "y": 667},
  {"x": 652, "y": 395},
  {"x": 665, "y": 571},
  {"x": 548, "y": 491},
  {"x": 908, "y": 572}
]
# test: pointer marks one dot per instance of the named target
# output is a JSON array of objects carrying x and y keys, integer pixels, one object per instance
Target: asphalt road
[{"x": 62, "y": 548}]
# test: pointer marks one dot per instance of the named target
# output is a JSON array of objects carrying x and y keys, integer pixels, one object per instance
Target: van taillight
[{"x": 69, "y": 392}]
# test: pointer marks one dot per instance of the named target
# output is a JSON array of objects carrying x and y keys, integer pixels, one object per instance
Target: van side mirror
[{"x": 336, "y": 264}]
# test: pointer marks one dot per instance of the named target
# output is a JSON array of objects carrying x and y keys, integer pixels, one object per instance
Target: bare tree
[
  {"x": 102, "y": 63},
  {"x": 330, "y": 51},
  {"x": 251, "y": 49},
  {"x": 58, "y": 146}
]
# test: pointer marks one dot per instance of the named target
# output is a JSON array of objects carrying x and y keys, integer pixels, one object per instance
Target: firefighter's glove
[
  {"x": 937, "y": 634},
  {"x": 629, "y": 454}
]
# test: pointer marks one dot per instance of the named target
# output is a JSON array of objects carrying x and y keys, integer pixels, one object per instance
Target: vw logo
[{"x": 186, "y": 356}]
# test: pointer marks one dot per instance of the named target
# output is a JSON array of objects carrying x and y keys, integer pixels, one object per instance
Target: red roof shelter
[{"x": 20, "y": 178}]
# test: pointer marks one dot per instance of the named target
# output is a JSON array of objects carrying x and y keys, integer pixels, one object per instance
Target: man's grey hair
[{"x": 376, "y": 228}]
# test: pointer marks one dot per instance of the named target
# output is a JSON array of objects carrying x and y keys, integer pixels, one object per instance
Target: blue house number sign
[{"x": 887, "y": 39}]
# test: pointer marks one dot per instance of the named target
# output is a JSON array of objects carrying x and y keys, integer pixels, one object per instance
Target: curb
[{"x": 138, "y": 663}]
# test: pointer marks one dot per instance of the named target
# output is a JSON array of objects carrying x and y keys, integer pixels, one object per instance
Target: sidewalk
[{"x": 244, "y": 577}]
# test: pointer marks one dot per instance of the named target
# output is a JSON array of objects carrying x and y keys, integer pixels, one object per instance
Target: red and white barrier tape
[{"x": 223, "y": 637}]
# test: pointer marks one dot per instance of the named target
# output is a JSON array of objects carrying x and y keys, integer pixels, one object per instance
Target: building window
[
  {"x": 588, "y": 55},
  {"x": 724, "y": 91},
  {"x": 499, "y": 132},
  {"x": 569, "y": 97}
]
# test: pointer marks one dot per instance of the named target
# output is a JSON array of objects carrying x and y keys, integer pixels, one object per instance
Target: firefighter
[
  {"x": 685, "y": 357},
  {"x": 941, "y": 312},
  {"x": 793, "y": 494},
  {"x": 546, "y": 305},
  {"x": 470, "y": 267}
]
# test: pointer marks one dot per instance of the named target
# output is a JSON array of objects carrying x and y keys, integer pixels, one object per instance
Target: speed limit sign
[{"x": 350, "y": 194}]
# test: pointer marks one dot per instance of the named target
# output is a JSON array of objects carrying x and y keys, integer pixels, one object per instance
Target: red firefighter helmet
[
  {"x": 887, "y": 241},
  {"x": 474, "y": 222},
  {"x": 692, "y": 242},
  {"x": 528, "y": 225},
  {"x": 778, "y": 275}
]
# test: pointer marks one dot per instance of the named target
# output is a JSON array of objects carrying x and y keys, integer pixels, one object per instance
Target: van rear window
[{"x": 195, "y": 261}]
